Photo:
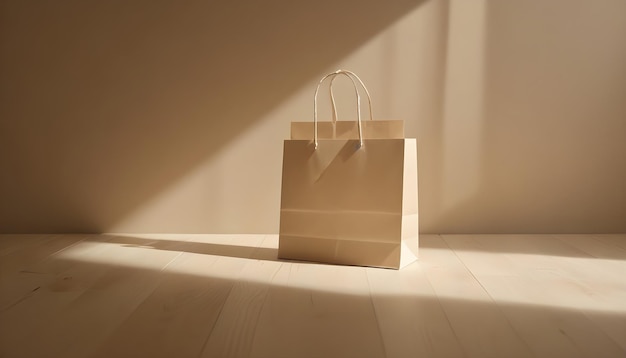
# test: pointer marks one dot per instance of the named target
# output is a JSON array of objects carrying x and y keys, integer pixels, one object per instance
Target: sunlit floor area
[{"x": 229, "y": 296}]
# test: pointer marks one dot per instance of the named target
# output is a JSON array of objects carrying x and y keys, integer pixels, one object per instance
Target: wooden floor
[{"x": 228, "y": 296}]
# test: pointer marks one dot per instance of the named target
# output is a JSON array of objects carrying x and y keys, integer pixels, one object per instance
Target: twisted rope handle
[
  {"x": 332, "y": 97},
  {"x": 358, "y": 103}
]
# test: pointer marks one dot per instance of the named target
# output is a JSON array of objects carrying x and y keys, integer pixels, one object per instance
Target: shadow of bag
[{"x": 349, "y": 201}]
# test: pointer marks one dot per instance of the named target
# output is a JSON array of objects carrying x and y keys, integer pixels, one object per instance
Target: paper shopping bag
[
  {"x": 348, "y": 205},
  {"x": 349, "y": 201}
]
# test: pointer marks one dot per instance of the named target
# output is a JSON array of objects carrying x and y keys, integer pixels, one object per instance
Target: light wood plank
[
  {"x": 540, "y": 305},
  {"x": 145, "y": 295},
  {"x": 316, "y": 310},
  {"x": 234, "y": 330},
  {"x": 600, "y": 298},
  {"x": 617, "y": 240},
  {"x": 594, "y": 246},
  {"x": 72, "y": 322},
  {"x": 21, "y": 271},
  {"x": 407, "y": 306},
  {"x": 268, "y": 249},
  {"x": 178, "y": 317},
  {"x": 479, "y": 324},
  {"x": 36, "y": 250},
  {"x": 12, "y": 243}
]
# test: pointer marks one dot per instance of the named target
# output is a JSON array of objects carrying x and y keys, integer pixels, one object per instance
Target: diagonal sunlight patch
[{"x": 524, "y": 279}]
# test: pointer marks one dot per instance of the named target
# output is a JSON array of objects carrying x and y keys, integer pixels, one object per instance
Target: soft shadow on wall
[
  {"x": 103, "y": 104},
  {"x": 542, "y": 149}
]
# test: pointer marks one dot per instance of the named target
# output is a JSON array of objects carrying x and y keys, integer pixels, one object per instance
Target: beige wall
[{"x": 167, "y": 116}]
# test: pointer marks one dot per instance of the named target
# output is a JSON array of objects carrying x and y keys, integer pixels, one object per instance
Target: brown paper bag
[
  {"x": 349, "y": 201},
  {"x": 372, "y": 129}
]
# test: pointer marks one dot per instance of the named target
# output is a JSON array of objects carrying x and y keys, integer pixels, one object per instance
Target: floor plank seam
[
  {"x": 376, "y": 315},
  {"x": 567, "y": 243},
  {"x": 598, "y": 238},
  {"x": 20, "y": 300},
  {"x": 219, "y": 314},
  {"x": 180, "y": 253},
  {"x": 494, "y": 302},
  {"x": 441, "y": 306},
  {"x": 607, "y": 335},
  {"x": 66, "y": 247}
]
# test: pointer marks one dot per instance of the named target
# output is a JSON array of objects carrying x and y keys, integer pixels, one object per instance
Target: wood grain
[{"x": 229, "y": 296}]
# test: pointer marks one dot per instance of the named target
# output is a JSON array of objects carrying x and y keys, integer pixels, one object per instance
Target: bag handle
[
  {"x": 358, "y": 104},
  {"x": 332, "y": 97}
]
